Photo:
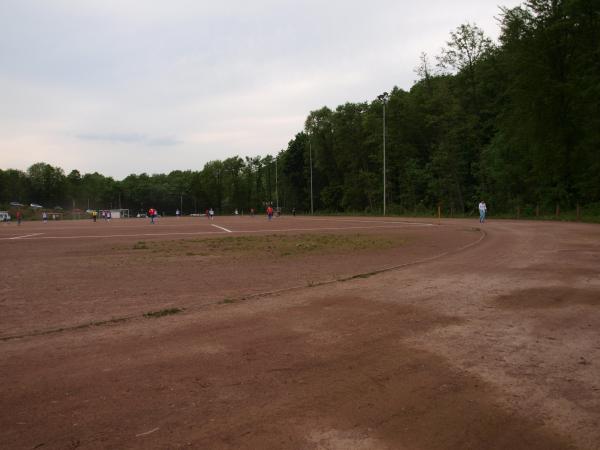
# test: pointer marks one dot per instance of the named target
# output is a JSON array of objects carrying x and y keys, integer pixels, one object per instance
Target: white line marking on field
[
  {"x": 100, "y": 236},
  {"x": 24, "y": 236},
  {"x": 398, "y": 222},
  {"x": 195, "y": 233},
  {"x": 222, "y": 228},
  {"x": 147, "y": 432},
  {"x": 318, "y": 229}
]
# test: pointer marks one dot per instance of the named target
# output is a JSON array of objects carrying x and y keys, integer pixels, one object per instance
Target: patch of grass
[
  {"x": 140, "y": 245},
  {"x": 96, "y": 323},
  {"x": 162, "y": 313},
  {"x": 363, "y": 275},
  {"x": 274, "y": 245},
  {"x": 474, "y": 229}
]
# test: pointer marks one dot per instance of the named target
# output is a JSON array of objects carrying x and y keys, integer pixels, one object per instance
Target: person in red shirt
[
  {"x": 270, "y": 212},
  {"x": 18, "y": 217},
  {"x": 152, "y": 213}
]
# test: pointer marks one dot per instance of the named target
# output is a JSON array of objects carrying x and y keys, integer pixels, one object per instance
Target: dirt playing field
[{"x": 300, "y": 333}]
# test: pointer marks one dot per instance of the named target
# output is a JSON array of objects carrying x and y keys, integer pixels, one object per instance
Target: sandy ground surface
[{"x": 474, "y": 339}]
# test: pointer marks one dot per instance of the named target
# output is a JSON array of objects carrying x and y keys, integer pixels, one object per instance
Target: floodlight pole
[
  {"x": 181, "y": 203},
  {"x": 384, "y": 158},
  {"x": 312, "y": 210},
  {"x": 276, "y": 189},
  {"x": 383, "y": 97}
]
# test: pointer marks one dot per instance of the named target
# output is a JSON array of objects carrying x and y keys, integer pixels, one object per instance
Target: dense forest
[{"x": 516, "y": 123}]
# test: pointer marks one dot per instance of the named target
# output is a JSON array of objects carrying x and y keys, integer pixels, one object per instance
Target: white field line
[
  {"x": 222, "y": 228},
  {"x": 114, "y": 226},
  {"x": 99, "y": 225},
  {"x": 147, "y": 432},
  {"x": 397, "y": 222},
  {"x": 23, "y": 236},
  {"x": 322, "y": 228},
  {"x": 100, "y": 236},
  {"x": 264, "y": 230}
]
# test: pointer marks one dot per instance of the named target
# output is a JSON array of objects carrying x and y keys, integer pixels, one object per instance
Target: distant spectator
[{"x": 482, "y": 211}]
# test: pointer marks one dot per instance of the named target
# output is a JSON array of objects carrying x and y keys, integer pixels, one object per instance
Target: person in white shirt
[{"x": 482, "y": 211}]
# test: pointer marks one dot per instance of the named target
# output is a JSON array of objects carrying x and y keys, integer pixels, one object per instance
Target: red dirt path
[{"x": 482, "y": 343}]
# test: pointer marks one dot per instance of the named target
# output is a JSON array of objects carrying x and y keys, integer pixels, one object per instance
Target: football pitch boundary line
[
  {"x": 20, "y": 237},
  {"x": 196, "y": 233},
  {"x": 169, "y": 223},
  {"x": 399, "y": 222},
  {"x": 26, "y": 236},
  {"x": 221, "y": 228}
]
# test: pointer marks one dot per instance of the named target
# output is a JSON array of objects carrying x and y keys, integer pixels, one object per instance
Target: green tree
[
  {"x": 14, "y": 186},
  {"x": 47, "y": 184},
  {"x": 212, "y": 179},
  {"x": 294, "y": 172}
]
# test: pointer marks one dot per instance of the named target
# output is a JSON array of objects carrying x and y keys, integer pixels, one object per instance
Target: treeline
[
  {"x": 516, "y": 123},
  {"x": 222, "y": 185}
]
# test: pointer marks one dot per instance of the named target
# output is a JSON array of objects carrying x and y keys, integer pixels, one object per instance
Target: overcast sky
[{"x": 133, "y": 86}]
